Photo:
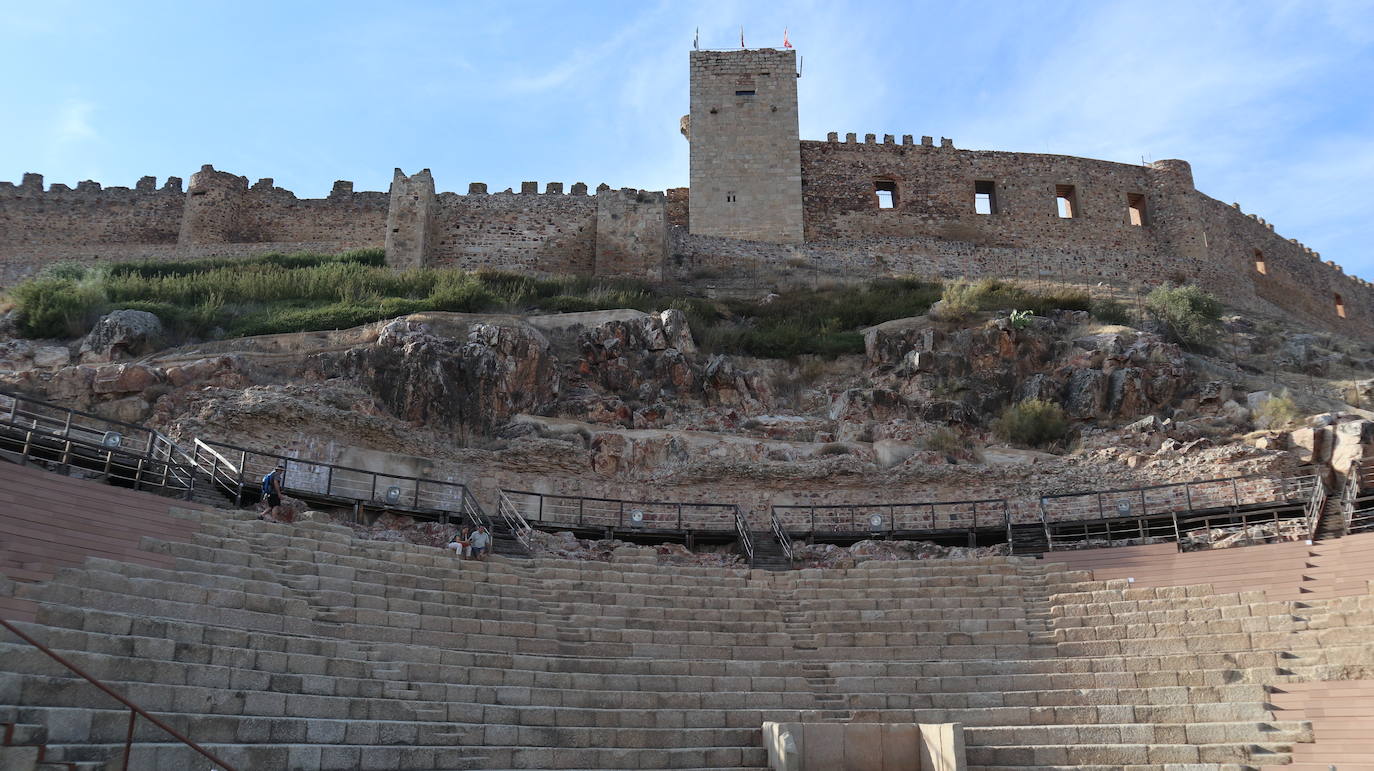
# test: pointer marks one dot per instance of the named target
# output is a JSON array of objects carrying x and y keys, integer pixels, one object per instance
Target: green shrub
[
  {"x": 1112, "y": 312},
  {"x": 1189, "y": 314},
  {"x": 944, "y": 440},
  {"x": 1033, "y": 422},
  {"x": 57, "y": 307},
  {"x": 960, "y": 299},
  {"x": 1019, "y": 319},
  {"x": 1277, "y": 412}
]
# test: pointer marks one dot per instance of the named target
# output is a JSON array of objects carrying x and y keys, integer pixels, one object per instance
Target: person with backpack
[{"x": 271, "y": 490}]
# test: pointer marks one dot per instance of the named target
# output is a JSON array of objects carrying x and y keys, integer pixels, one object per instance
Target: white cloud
[{"x": 72, "y": 123}]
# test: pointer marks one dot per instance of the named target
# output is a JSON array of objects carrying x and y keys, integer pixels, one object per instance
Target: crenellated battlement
[
  {"x": 856, "y": 203},
  {"x": 907, "y": 140},
  {"x": 32, "y": 185}
]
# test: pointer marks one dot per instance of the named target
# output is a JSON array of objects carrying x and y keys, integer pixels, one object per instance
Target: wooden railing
[{"x": 135, "y": 711}]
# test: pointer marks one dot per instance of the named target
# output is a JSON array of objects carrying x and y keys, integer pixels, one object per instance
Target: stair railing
[
  {"x": 746, "y": 542},
  {"x": 223, "y": 473},
  {"x": 135, "y": 711},
  {"x": 515, "y": 521},
  {"x": 1312, "y": 512},
  {"x": 783, "y": 539}
]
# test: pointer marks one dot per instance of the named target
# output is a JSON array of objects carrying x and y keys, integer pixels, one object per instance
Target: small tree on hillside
[{"x": 1189, "y": 314}]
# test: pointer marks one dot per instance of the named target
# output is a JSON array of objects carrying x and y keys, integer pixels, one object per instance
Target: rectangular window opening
[
  {"x": 1340, "y": 306},
  {"x": 886, "y": 191},
  {"x": 1260, "y": 267},
  {"x": 750, "y": 92},
  {"x": 985, "y": 197},
  {"x": 1066, "y": 199},
  {"x": 1135, "y": 209}
]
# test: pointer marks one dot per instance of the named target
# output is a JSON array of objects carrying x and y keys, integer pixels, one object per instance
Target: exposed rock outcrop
[{"x": 122, "y": 334}]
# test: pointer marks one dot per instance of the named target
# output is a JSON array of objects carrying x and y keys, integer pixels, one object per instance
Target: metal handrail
[
  {"x": 781, "y": 534},
  {"x": 957, "y": 515},
  {"x": 589, "y": 512},
  {"x": 313, "y": 477},
  {"x": 742, "y": 530},
  {"x": 135, "y": 711},
  {"x": 1312, "y": 512},
  {"x": 514, "y": 521},
  {"x": 1164, "y": 498},
  {"x": 222, "y": 471}
]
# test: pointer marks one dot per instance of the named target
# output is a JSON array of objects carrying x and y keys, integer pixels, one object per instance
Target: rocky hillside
[{"x": 625, "y": 404}]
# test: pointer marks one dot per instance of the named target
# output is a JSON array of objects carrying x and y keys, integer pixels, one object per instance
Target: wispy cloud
[{"x": 72, "y": 124}]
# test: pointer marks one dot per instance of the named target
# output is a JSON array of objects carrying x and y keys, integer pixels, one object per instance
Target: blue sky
[{"x": 1272, "y": 102}]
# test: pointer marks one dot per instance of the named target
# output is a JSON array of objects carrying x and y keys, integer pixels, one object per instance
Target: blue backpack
[{"x": 267, "y": 483}]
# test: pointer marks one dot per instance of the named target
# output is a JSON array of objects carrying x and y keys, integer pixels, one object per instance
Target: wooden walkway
[
  {"x": 49, "y": 521},
  {"x": 1284, "y": 571}
]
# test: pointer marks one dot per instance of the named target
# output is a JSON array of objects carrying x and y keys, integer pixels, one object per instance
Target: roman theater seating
[{"x": 298, "y": 647}]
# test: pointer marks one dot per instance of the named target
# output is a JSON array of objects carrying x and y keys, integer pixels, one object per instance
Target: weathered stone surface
[
  {"x": 124, "y": 379},
  {"x": 49, "y": 356},
  {"x": 122, "y": 334},
  {"x": 131, "y": 409},
  {"x": 479, "y": 384}
]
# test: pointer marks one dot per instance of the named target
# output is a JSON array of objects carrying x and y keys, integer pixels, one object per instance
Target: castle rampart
[{"x": 870, "y": 204}]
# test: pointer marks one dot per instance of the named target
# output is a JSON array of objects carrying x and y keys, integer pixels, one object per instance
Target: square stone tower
[{"x": 746, "y": 153}]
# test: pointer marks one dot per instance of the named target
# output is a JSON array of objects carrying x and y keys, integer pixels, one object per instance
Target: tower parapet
[
  {"x": 410, "y": 219},
  {"x": 745, "y": 152},
  {"x": 214, "y": 207}
]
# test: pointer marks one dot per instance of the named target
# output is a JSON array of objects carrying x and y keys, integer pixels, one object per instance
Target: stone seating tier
[{"x": 555, "y": 664}]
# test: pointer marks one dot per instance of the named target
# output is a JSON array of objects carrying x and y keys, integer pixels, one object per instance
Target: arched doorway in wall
[{"x": 1340, "y": 305}]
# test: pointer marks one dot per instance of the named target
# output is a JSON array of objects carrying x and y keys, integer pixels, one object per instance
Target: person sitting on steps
[
  {"x": 461, "y": 544},
  {"x": 481, "y": 541}
]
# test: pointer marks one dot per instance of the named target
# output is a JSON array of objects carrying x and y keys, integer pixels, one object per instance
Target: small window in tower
[
  {"x": 750, "y": 92},
  {"x": 1340, "y": 306},
  {"x": 1260, "y": 267},
  {"x": 730, "y": 196},
  {"x": 1066, "y": 198},
  {"x": 985, "y": 197},
  {"x": 886, "y": 190},
  {"x": 1135, "y": 208}
]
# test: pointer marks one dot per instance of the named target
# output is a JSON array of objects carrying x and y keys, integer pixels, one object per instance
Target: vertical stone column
[
  {"x": 214, "y": 208},
  {"x": 631, "y": 234},
  {"x": 410, "y": 219},
  {"x": 1174, "y": 211}
]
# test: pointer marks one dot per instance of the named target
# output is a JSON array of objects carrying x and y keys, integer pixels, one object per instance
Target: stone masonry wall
[
  {"x": 631, "y": 234},
  {"x": 1295, "y": 278},
  {"x": 935, "y": 196},
  {"x": 60, "y": 215},
  {"x": 549, "y": 233},
  {"x": 745, "y": 169}
]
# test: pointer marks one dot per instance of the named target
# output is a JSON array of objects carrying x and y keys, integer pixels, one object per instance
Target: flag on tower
[
  {"x": 696, "y": 40},
  {"x": 785, "y": 43},
  {"x": 741, "y": 37}
]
